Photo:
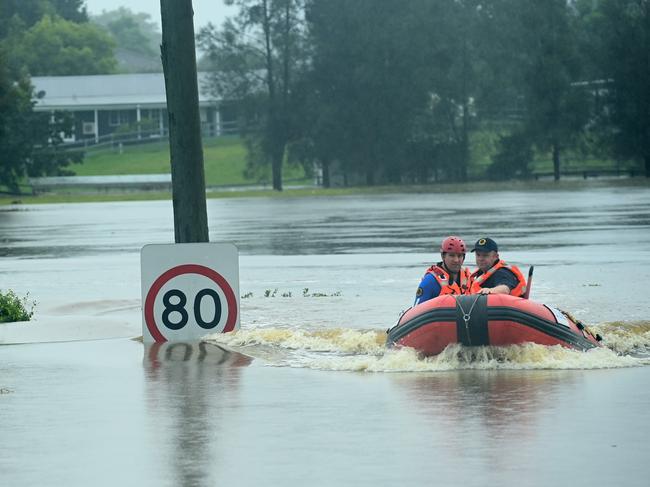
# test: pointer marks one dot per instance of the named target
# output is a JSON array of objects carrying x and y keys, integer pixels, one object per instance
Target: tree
[
  {"x": 255, "y": 60},
  {"x": 15, "y": 107},
  {"x": 57, "y": 47},
  {"x": 556, "y": 110},
  {"x": 72, "y": 10},
  {"x": 515, "y": 153},
  {"x": 456, "y": 69},
  {"x": 29, "y": 141},
  {"x": 367, "y": 80},
  {"x": 137, "y": 39},
  {"x": 24, "y": 14},
  {"x": 621, "y": 29}
]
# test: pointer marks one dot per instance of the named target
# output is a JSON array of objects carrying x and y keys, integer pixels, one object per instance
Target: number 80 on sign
[{"x": 188, "y": 301}]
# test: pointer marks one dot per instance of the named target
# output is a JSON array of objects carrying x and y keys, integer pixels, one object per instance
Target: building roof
[{"x": 107, "y": 91}]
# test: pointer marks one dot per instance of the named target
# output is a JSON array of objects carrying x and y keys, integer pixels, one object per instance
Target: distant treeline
[
  {"x": 399, "y": 91},
  {"x": 369, "y": 91}
]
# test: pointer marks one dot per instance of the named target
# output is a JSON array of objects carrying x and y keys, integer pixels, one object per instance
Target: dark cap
[{"x": 485, "y": 245}]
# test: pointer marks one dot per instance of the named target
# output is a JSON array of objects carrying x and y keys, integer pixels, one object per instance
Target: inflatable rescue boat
[{"x": 494, "y": 319}]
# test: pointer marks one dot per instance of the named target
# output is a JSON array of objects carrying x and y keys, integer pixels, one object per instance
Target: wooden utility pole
[{"x": 188, "y": 177}]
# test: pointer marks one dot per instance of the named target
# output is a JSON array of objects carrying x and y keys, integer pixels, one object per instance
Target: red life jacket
[
  {"x": 443, "y": 278},
  {"x": 477, "y": 279}
]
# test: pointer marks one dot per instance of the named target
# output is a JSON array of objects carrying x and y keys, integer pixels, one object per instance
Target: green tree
[
  {"x": 72, "y": 10},
  {"x": 367, "y": 67},
  {"x": 620, "y": 30},
  {"x": 531, "y": 88},
  {"x": 515, "y": 153},
  {"x": 56, "y": 47},
  {"x": 29, "y": 141},
  {"x": 255, "y": 59},
  {"x": 15, "y": 108},
  {"x": 23, "y": 14},
  {"x": 456, "y": 70},
  {"x": 137, "y": 39},
  {"x": 556, "y": 108}
]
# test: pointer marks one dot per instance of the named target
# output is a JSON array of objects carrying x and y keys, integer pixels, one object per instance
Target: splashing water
[
  {"x": 339, "y": 340},
  {"x": 626, "y": 337},
  {"x": 364, "y": 350}
]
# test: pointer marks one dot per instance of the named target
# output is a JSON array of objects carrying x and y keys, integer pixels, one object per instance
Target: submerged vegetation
[
  {"x": 272, "y": 293},
  {"x": 13, "y": 308}
]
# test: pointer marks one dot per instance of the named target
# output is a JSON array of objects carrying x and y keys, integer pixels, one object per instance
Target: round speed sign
[{"x": 187, "y": 301}]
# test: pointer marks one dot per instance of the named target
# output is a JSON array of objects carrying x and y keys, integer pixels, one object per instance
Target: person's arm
[
  {"x": 428, "y": 289},
  {"x": 503, "y": 280},
  {"x": 500, "y": 289}
]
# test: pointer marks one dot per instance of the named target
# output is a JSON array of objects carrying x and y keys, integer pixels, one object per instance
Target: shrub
[
  {"x": 513, "y": 159},
  {"x": 12, "y": 308}
]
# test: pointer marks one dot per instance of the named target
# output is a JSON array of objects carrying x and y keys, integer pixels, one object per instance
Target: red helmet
[{"x": 453, "y": 244}]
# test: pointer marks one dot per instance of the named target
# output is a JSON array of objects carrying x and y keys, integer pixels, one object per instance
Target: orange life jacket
[
  {"x": 477, "y": 279},
  {"x": 443, "y": 278}
]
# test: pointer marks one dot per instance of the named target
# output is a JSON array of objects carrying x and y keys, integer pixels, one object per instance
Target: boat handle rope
[{"x": 467, "y": 315}]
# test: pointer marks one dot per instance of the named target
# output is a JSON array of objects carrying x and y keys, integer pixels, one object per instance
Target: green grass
[
  {"x": 485, "y": 145},
  {"x": 568, "y": 162},
  {"x": 224, "y": 161}
]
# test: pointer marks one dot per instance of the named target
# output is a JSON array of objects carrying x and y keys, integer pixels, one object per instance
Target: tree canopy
[
  {"x": 30, "y": 141},
  {"x": 383, "y": 91},
  {"x": 57, "y": 47},
  {"x": 137, "y": 39},
  {"x": 388, "y": 91},
  {"x": 620, "y": 30},
  {"x": 23, "y": 14},
  {"x": 256, "y": 59}
]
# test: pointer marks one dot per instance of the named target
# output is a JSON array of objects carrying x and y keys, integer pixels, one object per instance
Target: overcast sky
[{"x": 204, "y": 10}]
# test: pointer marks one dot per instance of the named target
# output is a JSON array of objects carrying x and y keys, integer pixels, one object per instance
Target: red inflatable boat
[{"x": 495, "y": 319}]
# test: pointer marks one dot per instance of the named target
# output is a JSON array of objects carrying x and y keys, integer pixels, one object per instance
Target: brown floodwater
[{"x": 305, "y": 393}]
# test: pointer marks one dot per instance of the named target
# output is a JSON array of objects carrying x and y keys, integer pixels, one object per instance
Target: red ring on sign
[{"x": 211, "y": 274}]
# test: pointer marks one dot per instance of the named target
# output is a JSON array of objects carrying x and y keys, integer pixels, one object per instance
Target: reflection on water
[
  {"x": 187, "y": 385},
  {"x": 494, "y": 402},
  {"x": 158, "y": 355},
  {"x": 479, "y": 414}
]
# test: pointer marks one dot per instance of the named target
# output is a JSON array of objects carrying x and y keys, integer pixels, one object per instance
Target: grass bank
[
  {"x": 224, "y": 161},
  {"x": 475, "y": 187}
]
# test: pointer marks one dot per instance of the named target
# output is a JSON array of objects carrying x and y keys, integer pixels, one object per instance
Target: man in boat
[
  {"x": 494, "y": 276},
  {"x": 447, "y": 276}
]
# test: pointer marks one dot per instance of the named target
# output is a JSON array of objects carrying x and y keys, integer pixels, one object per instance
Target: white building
[{"x": 101, "y": 104}]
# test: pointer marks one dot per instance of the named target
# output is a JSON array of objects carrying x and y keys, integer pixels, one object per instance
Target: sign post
[
  {"x": 188, "y": 291},
  {"x": 185, "y": 148}
]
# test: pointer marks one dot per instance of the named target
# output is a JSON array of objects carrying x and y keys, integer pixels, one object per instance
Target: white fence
[{"x": 118, "y": 139}]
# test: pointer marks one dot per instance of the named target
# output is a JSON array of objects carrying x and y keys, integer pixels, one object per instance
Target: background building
[{"x": 129, "y": 105}]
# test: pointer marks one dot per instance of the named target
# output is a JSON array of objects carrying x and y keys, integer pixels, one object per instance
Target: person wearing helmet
[
  {"x": 447, "y": 276},
  {"x": 493, "y": 275}
]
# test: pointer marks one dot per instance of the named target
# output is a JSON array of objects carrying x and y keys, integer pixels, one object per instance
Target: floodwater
[{"x": 305, "y": 393}]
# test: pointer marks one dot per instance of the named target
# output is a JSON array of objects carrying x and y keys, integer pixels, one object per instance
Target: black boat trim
[
  {"x": 472, "y": 320},
  {"x": 494, "y": 313}
]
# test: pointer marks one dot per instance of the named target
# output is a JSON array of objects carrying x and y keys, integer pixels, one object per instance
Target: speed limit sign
[{"x": 188, "y": 291}]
